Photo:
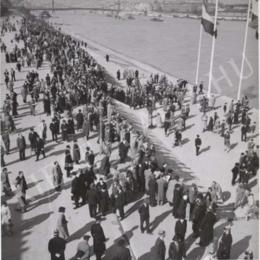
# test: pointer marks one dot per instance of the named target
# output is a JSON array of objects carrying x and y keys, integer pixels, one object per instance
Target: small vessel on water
[
  {"x": 130, "y": 17},
  {"x": 157, "y": 18}
]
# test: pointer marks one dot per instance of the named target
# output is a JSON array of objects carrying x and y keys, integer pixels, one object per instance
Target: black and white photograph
[{"x": 129, "y": 129}]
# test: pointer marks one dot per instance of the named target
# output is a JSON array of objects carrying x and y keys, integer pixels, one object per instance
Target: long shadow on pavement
[
  {"x": 14, "y": 246},
  {"x": 159, "y": 219},
  {"x": 240, "y": 247},
  {"x": 81, "y": 232}
]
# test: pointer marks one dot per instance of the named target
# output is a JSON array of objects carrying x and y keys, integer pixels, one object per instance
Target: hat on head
[
  {"x": 61, "y": 209},
  {"x": 86, "y": 237},
  {"x": 161, "y": 232},
  {"x": 56, "y": 232},
  {"x": 146, "y": 200},
  {"x": 228, "y": 227}
]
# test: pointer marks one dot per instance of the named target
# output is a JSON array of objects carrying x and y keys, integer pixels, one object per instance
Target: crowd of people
[{"x": 77, "y": 80}]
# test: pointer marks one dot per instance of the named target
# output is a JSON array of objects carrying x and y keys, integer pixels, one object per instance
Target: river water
[{"x": 172, "y": 46}]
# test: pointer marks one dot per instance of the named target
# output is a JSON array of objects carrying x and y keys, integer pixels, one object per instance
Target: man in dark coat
[
  {"x": 90, "y": 157},
  {"x": 243, "y": 133},
  {"x": 57, "y": 247},
  {"x": 177, "y": 197},
  {"x": 197, "y": 216},
  {"x": 120, "y": 202},
  {"x": 177, "y": 249},
  {"x": 14, "y": 103},
  {"x": 103, "y": 201},
  {"x": 92, "y": 200},
  {"x": 144, "y": 213},
  {"x": 64, "y": 130},
  {"x": 54, "y": 127},
  {"x": 89, "y": 176},
  {"x": 21, "y": 145},
  {"x": 75, "y": 190},
  {"x": 79, "y": 119},
  {"x": 82, "y": 186},
  {"x": 198, "y": 143},
  {"x": 118, "y": 74},
  {"x": 207, "y": 227},
  {"x": 159, "y": 247},
  {"x": 39, "y": 148},
  {"x": 152, "y": 184},
  {"x": 180, "y": 229},
  {"x": 235, "y": 173},
  {"x": 123, "y": 150},
  {"x": 225, "y": 243},
  {"x": 98, "y": 239},
  {"x": 33, "y": 139}
]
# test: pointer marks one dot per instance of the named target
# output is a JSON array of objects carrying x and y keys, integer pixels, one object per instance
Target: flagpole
[
  {"x": 213, "y": 49},
  {"x": 244, "y": 52},
  {"x": 198, "y": 59}
]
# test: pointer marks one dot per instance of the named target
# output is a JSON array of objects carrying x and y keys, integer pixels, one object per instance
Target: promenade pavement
[
  {"x": 35, "y": 227},
  {"x": 212, "y": 164}
]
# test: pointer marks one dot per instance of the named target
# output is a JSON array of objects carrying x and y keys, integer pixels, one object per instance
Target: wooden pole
[
  {"x": 198, "y": 59},
  {"x": 244, "y": 52},
  {"x": 213, "y": 49}
]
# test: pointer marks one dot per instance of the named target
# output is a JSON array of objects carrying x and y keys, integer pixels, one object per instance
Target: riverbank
[
  {"x": 182, "y": 160},
  {"x": 174, "y": 54}
]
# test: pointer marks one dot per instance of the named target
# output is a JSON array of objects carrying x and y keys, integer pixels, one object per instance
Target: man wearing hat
[
  {"x": 159, "y": 247},
  {"x": 83, "y": 249},
  {"x": 198, "y": 143},
  {"x": 177, "y": 249},
  {"x": 180, "y": 228},
  {"x": 57, "y": 247},
  {"x": 75, "y": 189},
  {"x": 144, "y": 213},
  {"x": 99, "y": 239},
  {"x": 207, "y": 227},
  {"x": 224, "y": 244}
]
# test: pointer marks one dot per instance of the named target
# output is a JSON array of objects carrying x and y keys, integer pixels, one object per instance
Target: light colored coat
[
  {"x": 57, "y": 176},
  {"x": 62, "y": 226}
]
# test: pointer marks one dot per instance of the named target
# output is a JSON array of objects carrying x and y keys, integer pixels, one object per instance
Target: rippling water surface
[{"x": 172, "y": 46}]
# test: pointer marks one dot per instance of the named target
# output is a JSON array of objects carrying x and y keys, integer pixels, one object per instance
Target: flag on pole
[
  {"x": 254, "y": 17},
  {"x": 255, "y": 7},
  {"x": 207, "y": 21}
]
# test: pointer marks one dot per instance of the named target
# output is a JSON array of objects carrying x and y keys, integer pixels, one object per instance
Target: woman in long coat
[
  {"x": 47, "y": 104},
  {"x": 62, "y": 224},
  {"x": 68, "y": 161},
  {"x": 152, "y": 184},
  {"x": 181, "y": 211},
  {"x": 225, "y": 243},
  {"x": 98, "y": 240},
  {"x": 207, "y": 227},
  {"x": 57, "y": 176},
  {"x": 76, "y": 152},
  {"x": 177, "y": 196}
]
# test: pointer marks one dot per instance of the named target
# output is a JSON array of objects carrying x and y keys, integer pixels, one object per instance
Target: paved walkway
[{"x": 35, "y": 226}]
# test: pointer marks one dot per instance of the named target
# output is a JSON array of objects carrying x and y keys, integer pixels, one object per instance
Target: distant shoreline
[{"x": 125, "y": 15}]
